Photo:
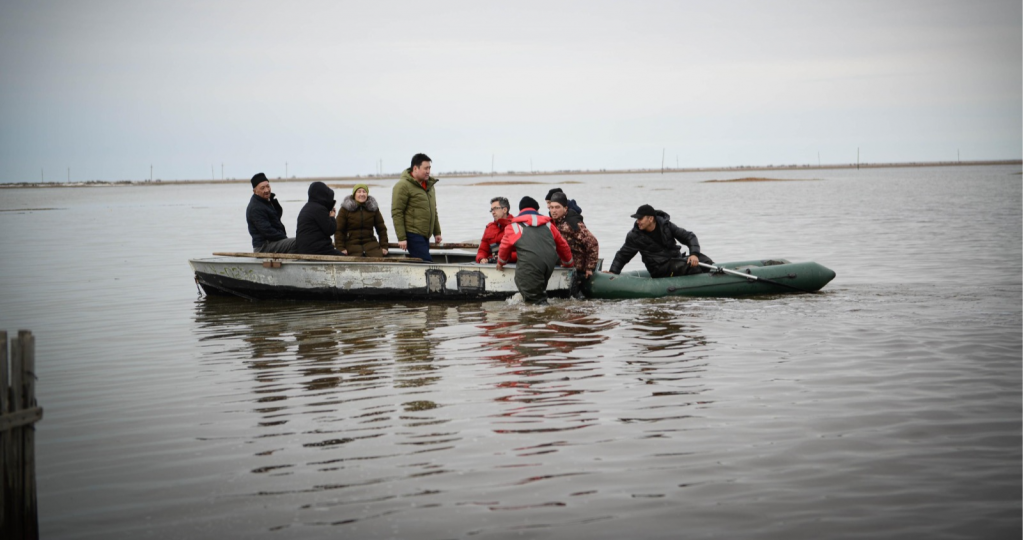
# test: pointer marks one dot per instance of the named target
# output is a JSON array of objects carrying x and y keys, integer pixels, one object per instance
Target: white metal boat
[{"x": 452, "y": 275}]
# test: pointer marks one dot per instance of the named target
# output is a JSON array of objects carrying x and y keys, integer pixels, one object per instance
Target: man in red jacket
[
  {"x": 539, "y": 246},
  {"x": 495, "y": 230}
]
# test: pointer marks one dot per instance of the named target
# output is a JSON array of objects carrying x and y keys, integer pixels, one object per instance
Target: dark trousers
[
  {"x": 679, "y": 267},
  {"x": 418, "y": 246},
  {"x": 277, "y": 246}
]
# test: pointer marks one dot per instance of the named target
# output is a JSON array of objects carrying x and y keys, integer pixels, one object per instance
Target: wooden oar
[
  {"x": 454, "y": 245},
  {"x": 326, "y": 258},
  {"x": 751, "y": 277}
]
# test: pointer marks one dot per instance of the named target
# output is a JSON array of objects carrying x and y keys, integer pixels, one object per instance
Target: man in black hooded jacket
[
  {"x": 315, "y": 228},
  {"x": 654, "y": 236}
]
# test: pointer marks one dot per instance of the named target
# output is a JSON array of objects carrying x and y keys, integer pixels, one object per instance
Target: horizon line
[{"x": 561, "y": 172}]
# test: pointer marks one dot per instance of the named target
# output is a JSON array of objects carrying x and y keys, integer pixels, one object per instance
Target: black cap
[
  {"x": 528, "y": 202},
  {"x": 644, "y": 210},
  {"x": 259, "y": 179},
  {"x": 559, "y": 198},
  {"x": 552, "y": 192}
]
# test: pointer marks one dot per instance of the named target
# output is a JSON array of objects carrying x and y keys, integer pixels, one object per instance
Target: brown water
[{"x": 888, "y": 405}]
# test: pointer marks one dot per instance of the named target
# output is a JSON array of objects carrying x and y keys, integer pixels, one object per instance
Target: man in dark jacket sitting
[
  {"x": 654, "y": 236},
  {"x": 264, "y": 218},
  {"x": 316, "y": 225}
]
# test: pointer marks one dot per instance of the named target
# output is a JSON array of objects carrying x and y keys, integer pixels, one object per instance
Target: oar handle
[
  {"x": 449, "y": 245},
  {"x": 727, "y": 271},
  {"x": 752, "y": 277}
]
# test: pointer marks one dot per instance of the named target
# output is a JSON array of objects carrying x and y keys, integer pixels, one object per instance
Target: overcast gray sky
[{"x": 109, "y": 88}]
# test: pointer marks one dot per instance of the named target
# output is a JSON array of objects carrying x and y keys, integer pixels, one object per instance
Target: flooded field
[{"x": 888, "y": 405}]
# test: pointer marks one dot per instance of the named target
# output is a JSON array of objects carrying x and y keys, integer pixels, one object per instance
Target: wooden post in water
[{"x": 18, "y": 412}]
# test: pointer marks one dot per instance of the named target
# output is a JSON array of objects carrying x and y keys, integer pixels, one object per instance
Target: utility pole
[
  {"x": 150, "y": 173},
  {"x": 222, "y": 170},
  {"x": 858, "y": 158},
  {"x": 957, "y": 156},
  {"x": 213, "y": 175},
  {"x": 819, "y": 158},
  {"x": 662, "y": 161},
  {"x": 69, "y": 169},
  {"x": 531, "y": 165},
  {"x": 677, "y": 162},
  {"x": 41, "y": 177},
  {"x": 285, "y": 170}
]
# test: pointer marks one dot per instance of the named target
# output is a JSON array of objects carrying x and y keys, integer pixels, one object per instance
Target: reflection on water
[{"x": 470, "y": 404}]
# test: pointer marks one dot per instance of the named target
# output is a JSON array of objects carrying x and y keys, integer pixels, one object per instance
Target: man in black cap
[
  {"x": 654, "y": 236},
  {"x": 264, "y": 218},
  {"x": 539, "y": 247}
]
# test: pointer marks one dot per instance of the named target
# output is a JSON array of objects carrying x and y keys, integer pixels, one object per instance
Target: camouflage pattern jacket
[{"x": 582, "y": 243}]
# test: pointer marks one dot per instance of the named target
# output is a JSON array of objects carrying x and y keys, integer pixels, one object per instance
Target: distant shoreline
[{"x": 478, "y": 174}]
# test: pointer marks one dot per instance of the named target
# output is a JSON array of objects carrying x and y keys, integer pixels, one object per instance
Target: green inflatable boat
[{"x": 743, "y": 278}]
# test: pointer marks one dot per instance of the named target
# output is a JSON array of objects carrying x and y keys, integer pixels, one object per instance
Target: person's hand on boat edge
[
  {"x": 437, "y": 238},
  {"x": 403, "y": 245},
  {"x": 693, "y": 260},
  {"x": 499, "y": 266}
]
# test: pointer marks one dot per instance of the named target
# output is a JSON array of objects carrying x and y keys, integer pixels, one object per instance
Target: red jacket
[
  {"x": 515, "y": 231},
  {"x": 492, "y": 236}
]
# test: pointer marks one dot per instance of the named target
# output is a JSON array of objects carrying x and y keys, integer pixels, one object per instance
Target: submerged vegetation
[
  {"x": 505, "y": 183},
  {"x": 752, "y": 179},
  {"x": 350, "y": 186}
]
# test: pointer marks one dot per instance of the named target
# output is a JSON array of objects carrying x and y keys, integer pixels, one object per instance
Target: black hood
[{"x": 321, "y": 194}]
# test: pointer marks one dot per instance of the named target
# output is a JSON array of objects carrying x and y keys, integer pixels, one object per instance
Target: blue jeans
[{"x": 418, "y": 246}]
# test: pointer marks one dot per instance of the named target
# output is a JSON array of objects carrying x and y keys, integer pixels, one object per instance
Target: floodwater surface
[{"x": 886, "y": 406}]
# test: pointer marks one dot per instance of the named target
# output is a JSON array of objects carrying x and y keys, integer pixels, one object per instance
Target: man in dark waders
[
  {"x": 539, "y": 247},
  {"x": 654, "y": 236}
]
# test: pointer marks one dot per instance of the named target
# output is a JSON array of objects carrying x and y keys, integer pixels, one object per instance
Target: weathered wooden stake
[{"x": 18, "y": 412}]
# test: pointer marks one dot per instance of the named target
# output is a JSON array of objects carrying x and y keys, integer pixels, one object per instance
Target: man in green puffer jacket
[{"x": 414, "y": 209}]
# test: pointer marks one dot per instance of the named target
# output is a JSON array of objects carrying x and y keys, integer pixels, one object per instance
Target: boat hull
[
  {"x": 257, "y": 279},
  {"x": 794, "y": 277}
]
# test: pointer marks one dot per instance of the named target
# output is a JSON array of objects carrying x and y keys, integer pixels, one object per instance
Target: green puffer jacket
[{"x": 414, "y": 209}]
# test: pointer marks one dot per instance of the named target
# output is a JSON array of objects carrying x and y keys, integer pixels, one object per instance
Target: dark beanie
[
  {"x": 528, "y": 202},
  {"x": 552, "y": 192},
  {"x": 259, "y": 179},
  {"x": 560, "y": 198}
]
